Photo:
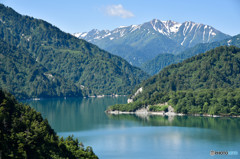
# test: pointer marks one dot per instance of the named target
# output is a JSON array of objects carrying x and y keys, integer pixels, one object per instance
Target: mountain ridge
[
  {"x": 155, "y": 65},
  {"x": 84, "y": 64},
  {"x": 164, "y": 27},
  {"x": 140, "y": 43}
]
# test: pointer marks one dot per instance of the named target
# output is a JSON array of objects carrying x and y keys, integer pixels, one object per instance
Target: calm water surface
[{"x": 135, "y": 137}]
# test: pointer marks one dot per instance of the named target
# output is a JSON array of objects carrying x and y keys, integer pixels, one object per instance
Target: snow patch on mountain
[
  {"x": 82, "y": 35},
  {"x": 186, "y": 34},
  {"x": 134, "y": 27},
  {"x": 106, "y": 35}
]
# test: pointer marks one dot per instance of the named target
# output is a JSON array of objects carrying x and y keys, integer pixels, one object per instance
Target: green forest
[
  {"x": 152, "y": 67},
  {"x": 23, "y": 76},
  {"x": 207, "y": 84},
  {"x": 38, "y": 60},
  {"x": 77, "y": 66},
  {"x": 25, "y": 134},
  {"x": 224, "y": 102}
]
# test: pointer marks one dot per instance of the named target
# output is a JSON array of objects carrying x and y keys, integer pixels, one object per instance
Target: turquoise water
[{"x": 134, "y": 137}]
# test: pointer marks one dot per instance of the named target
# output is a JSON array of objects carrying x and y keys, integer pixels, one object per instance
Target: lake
[{"x": 136, "y": 137}]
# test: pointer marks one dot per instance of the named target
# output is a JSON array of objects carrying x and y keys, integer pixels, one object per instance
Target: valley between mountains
[
  {"x": 165, "y": 68},
  {"x": 39, "y": 60}
]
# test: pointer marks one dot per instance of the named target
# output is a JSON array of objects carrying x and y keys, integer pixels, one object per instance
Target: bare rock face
[
  {"x": 140, "y": 43},
  {"x": 170, "y": 111},
  {"x": 130, "y": 100}
]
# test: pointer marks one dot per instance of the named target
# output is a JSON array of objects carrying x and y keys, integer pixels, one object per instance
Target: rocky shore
[{"x": 146, "y": 112}]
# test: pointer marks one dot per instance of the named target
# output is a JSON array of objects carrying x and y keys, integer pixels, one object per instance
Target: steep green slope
[
  {"x": 215, "y": 69},
  {"x": 221, "y": 101},
  {"x": 25, "y": 134},
  {"x": 21, "y": 75},
  {"x": 87, "y": 66},
  {"x": 154, "y": 66}
]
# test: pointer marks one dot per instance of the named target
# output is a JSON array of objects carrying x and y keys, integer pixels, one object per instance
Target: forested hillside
[
  {"x": 25, "y": 134},
  {"x": 84, "y": 64},
  {"x": 209, "y": 72},
  {"x": 154, "y": 66},
  {"x": 21, "y": 75}
]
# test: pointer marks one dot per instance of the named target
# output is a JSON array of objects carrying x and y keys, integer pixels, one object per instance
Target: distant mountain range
[
  {"x": 140, "y": 43},
  {"x": 158, "y": 63},
  {"x": 39, "y": 60}
]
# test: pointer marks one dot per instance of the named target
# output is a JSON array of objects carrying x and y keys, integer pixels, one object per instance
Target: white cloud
[{"x": 119, "y": 11}]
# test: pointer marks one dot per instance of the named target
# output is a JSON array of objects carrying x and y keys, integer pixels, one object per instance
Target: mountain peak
[
  {"x": 165, "y": 27},
  {"x": 139, "y": 43},
  {"x": 155, "y": 21}
]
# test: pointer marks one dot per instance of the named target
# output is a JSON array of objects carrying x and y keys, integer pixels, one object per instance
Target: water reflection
[
  {"x": 74, "y": 114},
  {"x": 224, "y": 128},
  {"x": 131, "y": 136}
]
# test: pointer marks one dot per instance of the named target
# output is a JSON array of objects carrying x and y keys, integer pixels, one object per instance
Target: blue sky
[{"x": 83, "y": 15}]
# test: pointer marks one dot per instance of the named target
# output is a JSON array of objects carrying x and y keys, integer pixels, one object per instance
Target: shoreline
[
  {"x": 144, "y": 112},
  {"x": 101, "y": 96},
  {"x": 65, "y": 97}
]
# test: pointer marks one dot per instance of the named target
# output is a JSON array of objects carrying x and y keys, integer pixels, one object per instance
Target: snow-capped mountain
[{"x": 139, "y": 43}]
